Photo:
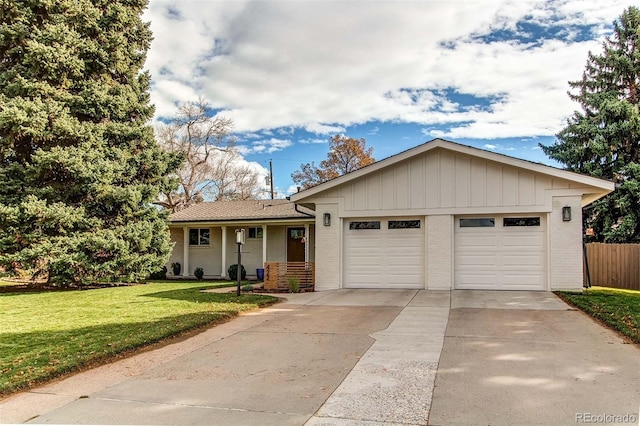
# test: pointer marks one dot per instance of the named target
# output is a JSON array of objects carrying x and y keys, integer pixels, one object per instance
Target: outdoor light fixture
[
  {"x": 240, "y": 241},
  {"x": 326, "y": 220},
  {"x": 566, "y": 214}
]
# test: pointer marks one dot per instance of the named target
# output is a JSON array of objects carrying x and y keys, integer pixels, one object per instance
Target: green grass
[
  {"x": 617, "y": 308},
  {"x": 47, "y": 334}
]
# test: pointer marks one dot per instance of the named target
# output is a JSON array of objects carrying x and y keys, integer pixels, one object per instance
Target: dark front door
[{"x": 295, "y": 244}]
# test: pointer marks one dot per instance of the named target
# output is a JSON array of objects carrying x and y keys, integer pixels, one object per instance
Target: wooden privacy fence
[
  {"x": 614, "y": 265},
  {"x": 279, "y": 275}
]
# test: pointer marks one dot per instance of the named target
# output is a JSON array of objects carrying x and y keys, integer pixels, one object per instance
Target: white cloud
[
  {"x": 323, "y": 129},
  {"x": 313, "y": 141},
  {"x": 323, "y": 66},
  {"x": 267, "y": 146},
  {"x": 291, "y": 190},
  {"x": 498, "y": 147}
]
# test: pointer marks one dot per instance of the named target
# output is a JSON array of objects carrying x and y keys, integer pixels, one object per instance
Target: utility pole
[{"x": 271, "y": 176}]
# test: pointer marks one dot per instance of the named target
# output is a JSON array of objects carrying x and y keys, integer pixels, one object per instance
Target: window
[
  {"x": 199, "y": 237},
  {"x": 521, "y": 221},
  {"x": 373, "y": 224},
  {"x": 255, "y": 232},
  {"x": 296, "y": 233},
  {"x": 480, "y": 222},
  {"x": 404, "y": 224}
]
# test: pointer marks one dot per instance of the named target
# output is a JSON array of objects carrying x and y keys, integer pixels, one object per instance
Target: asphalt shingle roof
[{"x": 240, "y": 210}]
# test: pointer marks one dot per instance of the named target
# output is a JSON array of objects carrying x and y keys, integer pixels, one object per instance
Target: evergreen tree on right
[{"x": 603, "y": 139}]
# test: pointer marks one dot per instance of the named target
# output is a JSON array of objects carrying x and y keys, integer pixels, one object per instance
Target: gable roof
[
  {"x": 220, "y": 211},
  {"x": 603, "y": 186}
]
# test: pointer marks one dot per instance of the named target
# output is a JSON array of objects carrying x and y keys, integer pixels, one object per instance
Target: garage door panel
[
  {"x": 400, "y": 258},
  {"x": 383, "y": 258},
  {"x": 365, "y": 242},
  {"x": 523, "y": 241},
  {"x": 365, "y": 261},
  {"x": 479, "y": 277},
  {"x": 520, "y": 283},
  {"x": 400, "y": 252},
  {"x": 479, "y": 241},
  {"x": 500, "y": 257},
  {"x": 520, "y": 279},
  {"x": 523, "y": 261},
  {"x": 477, "y": 260},
  {"x": 402, "y": 242}
]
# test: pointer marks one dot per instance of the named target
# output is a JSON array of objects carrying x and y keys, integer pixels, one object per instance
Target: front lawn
[
  {"x": 47, "y": 334},
  {"x": 617, "y": 308}
]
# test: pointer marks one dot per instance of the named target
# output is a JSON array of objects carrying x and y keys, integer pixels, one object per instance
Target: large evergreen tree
[
  {"x": 79, "y": 165},
  {"x": 603, "y": 139}
]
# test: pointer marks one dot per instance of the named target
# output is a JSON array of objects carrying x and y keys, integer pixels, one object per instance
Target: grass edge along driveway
[
  {"x": 618, "y": 309},
  {"x": 48, "y": 334}
]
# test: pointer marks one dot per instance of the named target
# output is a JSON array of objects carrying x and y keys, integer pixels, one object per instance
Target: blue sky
[{"x": 290, "y": 74}]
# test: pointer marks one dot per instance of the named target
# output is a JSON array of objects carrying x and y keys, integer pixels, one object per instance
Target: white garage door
[
  {"x": 384, "y": 253},
  {"x": 500, "y": 253}
]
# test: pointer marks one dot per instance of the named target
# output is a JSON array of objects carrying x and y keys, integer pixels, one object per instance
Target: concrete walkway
[{"x": 393, "y": 382}]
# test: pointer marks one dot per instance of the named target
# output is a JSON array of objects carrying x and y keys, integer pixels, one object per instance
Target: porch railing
[{"x": 281, "y": 275}]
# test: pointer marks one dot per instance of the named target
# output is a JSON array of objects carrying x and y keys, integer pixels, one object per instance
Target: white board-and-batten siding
[{"x": 443, "y": 180}]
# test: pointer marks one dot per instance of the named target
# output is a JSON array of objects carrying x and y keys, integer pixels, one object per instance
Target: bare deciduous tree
[
  {"x": 212, "y": 169},
  {"x": 233, "y": 181}
]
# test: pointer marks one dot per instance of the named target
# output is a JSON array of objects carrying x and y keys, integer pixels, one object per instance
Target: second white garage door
[
  {"x": 384, "y": 253},
  {"x": 500, "y": 253}
]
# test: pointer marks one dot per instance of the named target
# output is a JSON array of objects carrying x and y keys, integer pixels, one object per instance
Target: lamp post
[{"x": 240, "y": 242}]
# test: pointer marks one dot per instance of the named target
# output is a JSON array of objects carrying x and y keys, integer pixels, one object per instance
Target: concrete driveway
[
  {"x": 364, "y": 357},
  {"x": 512, "y": 358},
  {"x": 276, "y": 366}
]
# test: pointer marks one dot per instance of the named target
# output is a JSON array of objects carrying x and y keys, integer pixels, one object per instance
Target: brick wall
[
  {"x": 328, "y": 249},
  {"x": 439, "y": 247},
  {"x": 565, "y": 245}
]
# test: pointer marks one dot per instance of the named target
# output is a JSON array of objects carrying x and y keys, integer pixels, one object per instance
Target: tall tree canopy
[
  {"x": 603, "y": 139},
  {"x": 345, "y": 155},
  {"x": 212, "y": 169},
  {"x": 79, "y": 164}
]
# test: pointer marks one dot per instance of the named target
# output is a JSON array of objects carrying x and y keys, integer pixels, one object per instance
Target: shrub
[
  {"x": 159, "y": 275},
  {"x": 199, "y": 273},
  {"x": 294, "y": 285},
  {"x": 233, "y": 272},
  {"x": 176, "y": 268}
]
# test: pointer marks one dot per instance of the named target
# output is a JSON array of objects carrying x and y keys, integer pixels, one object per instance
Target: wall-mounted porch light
[
  {"x": 326, "y": 219},
  {"x": 566, "y": 214}
]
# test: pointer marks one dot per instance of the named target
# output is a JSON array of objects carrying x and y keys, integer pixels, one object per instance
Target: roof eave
[
  {"x": 254, "y": 220},
  {"x": 464, "y": 149}
]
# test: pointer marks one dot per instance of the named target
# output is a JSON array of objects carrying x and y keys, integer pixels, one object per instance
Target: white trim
[
  {"x": 341, "y": 253},
  {"x": 264, "y": 244},
  {"x": 306, "y": 242},
  {"x": 548, "y": 249},
  {"x": 534, "y": 208},
  {"x": 223, "y": 274},
  {"x": 185, "y": 251},
  {"x": 242, "y": 223}
]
